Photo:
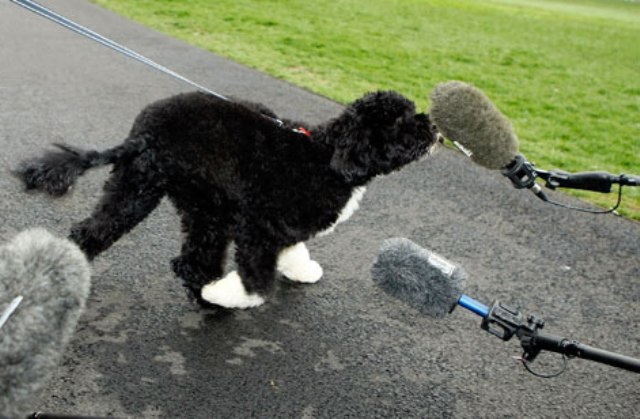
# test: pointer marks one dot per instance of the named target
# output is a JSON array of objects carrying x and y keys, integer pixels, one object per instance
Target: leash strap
[{"x": 69, "y": 24}]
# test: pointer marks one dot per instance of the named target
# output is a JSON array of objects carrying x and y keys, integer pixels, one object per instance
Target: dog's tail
[{"x": 56, "y": 171}]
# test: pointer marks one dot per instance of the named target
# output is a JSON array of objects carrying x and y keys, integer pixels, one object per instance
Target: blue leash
[{"x": 69, "y": 24}]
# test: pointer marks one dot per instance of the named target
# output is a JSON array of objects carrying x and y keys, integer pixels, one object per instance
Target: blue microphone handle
[{"x": 473, "y": 305}]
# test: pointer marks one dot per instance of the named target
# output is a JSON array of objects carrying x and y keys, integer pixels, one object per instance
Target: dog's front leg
[
  {"x": 244, "y": 288},
  {"x": 295, "y": 263}
]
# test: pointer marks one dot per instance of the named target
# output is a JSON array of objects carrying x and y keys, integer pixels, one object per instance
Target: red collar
[{"x": 303, "y": 130}]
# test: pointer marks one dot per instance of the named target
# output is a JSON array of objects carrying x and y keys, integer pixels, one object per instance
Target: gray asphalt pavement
[{"x": 339, "y": 348}]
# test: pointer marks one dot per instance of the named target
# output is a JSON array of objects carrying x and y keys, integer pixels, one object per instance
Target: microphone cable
[
  {"x": 588, "y": 210},
  {"x": 530, "y": 370}
]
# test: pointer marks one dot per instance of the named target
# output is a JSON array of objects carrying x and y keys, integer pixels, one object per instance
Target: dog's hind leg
[
  {"x": 295, "y": 263},
  {"x": 203, "y": 251},
  {"x": 256, "y": 260},
  {"x": 134, "y": 189}
]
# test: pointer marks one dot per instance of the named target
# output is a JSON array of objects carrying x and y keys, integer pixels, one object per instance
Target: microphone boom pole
[
  {"x": 505, "y": 322},
  {"x": 573, "y": 349}
]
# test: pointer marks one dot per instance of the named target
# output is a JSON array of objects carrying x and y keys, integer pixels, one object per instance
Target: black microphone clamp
[
  {"x": 505, "y": 322},
  {"x": 521, "y": 172},
  {"x": 523, "y": 175}
]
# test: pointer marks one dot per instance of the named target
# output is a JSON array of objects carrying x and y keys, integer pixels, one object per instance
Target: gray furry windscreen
[
  {"x": 406, "y": 271},
  {"x": 464, "y": 114},
  {"x": 52, "y": 275}
]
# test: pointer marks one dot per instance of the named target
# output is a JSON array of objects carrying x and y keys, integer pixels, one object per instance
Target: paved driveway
[{"x": 339, "y": 348}]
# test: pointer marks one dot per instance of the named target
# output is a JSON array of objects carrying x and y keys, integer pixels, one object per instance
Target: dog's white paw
[
  {"x": 229, "y": 292},
  {"x": 295, "y": 263},
  {"x": 308, "y": 273}
]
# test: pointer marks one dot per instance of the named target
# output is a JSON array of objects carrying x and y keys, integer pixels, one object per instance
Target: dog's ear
[{"x": 377, "y": 134}]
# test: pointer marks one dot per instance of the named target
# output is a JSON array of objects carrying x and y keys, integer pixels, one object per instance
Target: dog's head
[{"x": 377, "y": 134}]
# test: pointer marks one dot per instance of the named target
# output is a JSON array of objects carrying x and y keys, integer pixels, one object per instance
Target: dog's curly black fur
[{"x": 235, "y": 175}]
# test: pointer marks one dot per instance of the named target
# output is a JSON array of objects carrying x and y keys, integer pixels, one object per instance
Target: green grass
[{"x": 567, "y": 73}]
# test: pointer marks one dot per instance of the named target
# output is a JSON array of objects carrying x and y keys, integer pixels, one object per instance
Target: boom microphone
[
  {"x": 432, "y": 285},
  {"x": 466, "y": 116},
  {"x": 44, "y": 284}
]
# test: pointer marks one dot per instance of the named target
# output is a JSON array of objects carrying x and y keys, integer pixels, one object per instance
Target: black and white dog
[{"x": 236, "y": 175}]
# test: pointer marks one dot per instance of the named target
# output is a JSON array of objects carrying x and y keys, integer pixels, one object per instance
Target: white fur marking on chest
[{"x": 352, "y": 205}]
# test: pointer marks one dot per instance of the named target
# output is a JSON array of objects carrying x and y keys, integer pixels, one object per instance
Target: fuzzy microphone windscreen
[
  {"x": 463, "y": 113},
  {"x": 53, "y": 277},
  {"x": 418, "y": 277}
]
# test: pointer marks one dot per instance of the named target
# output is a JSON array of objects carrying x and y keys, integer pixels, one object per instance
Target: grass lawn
[{"x": 567, "y": 73}]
